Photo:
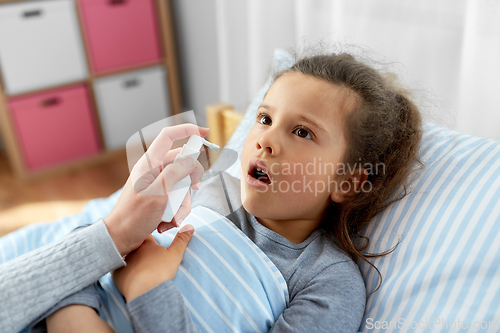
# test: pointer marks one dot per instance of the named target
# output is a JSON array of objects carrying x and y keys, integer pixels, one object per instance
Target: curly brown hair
[{"x": 385, "y": 128}]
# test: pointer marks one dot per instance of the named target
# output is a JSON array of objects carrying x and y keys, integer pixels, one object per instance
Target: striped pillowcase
[{"x": 445, "y": 272}]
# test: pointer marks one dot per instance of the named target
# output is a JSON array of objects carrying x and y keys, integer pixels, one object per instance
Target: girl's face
[{"x": 298, "y": 141}]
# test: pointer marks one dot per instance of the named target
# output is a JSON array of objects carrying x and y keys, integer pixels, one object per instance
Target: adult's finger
[
  {"x": 170, "y": 176},
  {"x": 171, "y": 155},
  {"x": 180, "y": 169},
  {"x": 184, "y": 210},
  {"x": 163, "y": 142},
  {"x": 196, "y": 175},
  {"x": 165, "y": 226},
  {"x": 153, "y": 160},
  {"x": 143, "y": 176}
]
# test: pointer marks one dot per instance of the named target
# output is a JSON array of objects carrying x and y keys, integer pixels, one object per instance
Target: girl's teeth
[{"x": 258, "y": 169}]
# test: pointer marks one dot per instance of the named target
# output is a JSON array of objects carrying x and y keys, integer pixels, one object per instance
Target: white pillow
[
  {"x": 445, "y": 272},
  {"x": 281, "y": 61}
]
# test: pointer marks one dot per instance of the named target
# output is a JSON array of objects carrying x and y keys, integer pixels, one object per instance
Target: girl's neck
[{"x": 296, "y": 231}]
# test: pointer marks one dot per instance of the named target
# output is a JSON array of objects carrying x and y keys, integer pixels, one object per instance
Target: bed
[{"x": 444, "y": 274}]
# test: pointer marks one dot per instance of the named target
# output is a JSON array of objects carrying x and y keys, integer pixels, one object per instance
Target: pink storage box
[
  {"x": 119, "y": 33},
  {"x": 54, "y": 127}
]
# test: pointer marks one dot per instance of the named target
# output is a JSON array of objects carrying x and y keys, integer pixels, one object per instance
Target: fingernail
[
  {"x": 196, "y": 187},
  {"x": 188, "y": 228},
  {"x": 179, "y": 221},
  {"x": 188, "y": 162}
]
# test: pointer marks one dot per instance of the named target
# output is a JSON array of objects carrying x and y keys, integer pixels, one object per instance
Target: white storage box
[
  {"x": 40, "y": 45},
  {"x": 128, "y": 102}
]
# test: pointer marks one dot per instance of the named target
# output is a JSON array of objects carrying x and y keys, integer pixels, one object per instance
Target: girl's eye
[
  {"x": 303, "y": 132},
  {"x": 264, "y": 119}
]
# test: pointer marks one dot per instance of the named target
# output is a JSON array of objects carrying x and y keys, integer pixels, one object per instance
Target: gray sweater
[{"x": 327, "y": 293}]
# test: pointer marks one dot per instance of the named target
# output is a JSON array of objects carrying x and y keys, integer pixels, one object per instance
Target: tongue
[
  {"x": 264, "y": 179},
  {"x": 262, "y": 176}
]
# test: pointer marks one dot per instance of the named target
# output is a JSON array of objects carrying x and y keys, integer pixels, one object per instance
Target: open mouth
[
  {"x": 259, "y": 171},
  {"x": 260, "y": 175}
]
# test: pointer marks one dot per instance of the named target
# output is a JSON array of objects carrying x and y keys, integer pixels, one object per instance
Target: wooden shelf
[{"x": 168, "y": 61}]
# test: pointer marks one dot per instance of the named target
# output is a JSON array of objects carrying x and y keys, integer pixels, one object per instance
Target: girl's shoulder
[
  {"x": 323, "y": 256},
  {"x": 331, "y": 248}
]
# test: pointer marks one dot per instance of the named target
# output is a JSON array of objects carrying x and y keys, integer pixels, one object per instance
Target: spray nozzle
[
  {"x": 195, "y": 143},
  {"x": 210, "y": 145}
]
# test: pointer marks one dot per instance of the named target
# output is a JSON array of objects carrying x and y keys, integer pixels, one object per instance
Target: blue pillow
[{"x": 445, "y": 272}]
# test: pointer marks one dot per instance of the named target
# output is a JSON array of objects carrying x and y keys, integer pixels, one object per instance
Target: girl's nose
[{"x": 269, "y": 141}]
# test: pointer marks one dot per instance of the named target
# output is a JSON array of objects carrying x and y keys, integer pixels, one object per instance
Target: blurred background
[
  {"x": 446, "y": 50},
  {"x": 120, "y": 65}
]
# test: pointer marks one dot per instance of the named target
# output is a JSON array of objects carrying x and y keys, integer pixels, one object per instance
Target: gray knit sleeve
[
  {"x": 31, "y": 284},
  {"x": 161, "y": 309},
  {"x": 88, "y": 296}
]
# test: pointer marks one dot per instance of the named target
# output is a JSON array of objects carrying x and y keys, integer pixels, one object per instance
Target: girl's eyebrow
[
  {"x": 301, "y": 117},
  {"x": 311, "y": 122}
]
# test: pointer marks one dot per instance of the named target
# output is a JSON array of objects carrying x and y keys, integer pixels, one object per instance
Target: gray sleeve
[
  {"x": 333, "y": 301},
  {"x": 88, "y": 296},
  {"x": 161, "y": 309},
  {"x": 32, "y": 283}
]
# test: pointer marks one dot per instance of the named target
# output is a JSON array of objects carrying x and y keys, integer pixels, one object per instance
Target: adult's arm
[{"x": 31, "y": 284}]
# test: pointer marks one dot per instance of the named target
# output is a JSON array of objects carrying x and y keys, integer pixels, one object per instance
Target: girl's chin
[{"x": 253, "y": 207}]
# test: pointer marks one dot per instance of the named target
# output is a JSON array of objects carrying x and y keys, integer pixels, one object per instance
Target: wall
[{"x": 195, "y": 24}]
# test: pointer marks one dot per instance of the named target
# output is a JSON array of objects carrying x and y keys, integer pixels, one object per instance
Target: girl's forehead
[
  {"x": 297, "y": 92},
  {"x": 308, "y": 86}
]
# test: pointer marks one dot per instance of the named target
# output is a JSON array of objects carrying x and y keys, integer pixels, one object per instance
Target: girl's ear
[{"x": 349, "y": 185}]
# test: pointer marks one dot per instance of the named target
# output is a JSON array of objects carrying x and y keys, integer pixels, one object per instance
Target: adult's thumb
[{"x": 181, "y": 240}]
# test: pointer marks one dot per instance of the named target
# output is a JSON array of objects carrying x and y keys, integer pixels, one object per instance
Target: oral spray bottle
[{"x": 180, "y": 189}]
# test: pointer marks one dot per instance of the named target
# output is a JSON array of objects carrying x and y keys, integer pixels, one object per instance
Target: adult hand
[
  {"x": 151, "y": 264},
  {"x": 143, "y": 200}
]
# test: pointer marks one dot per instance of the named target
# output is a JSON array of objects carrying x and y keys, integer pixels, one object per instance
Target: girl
[{"x": 361, "y": 134}]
